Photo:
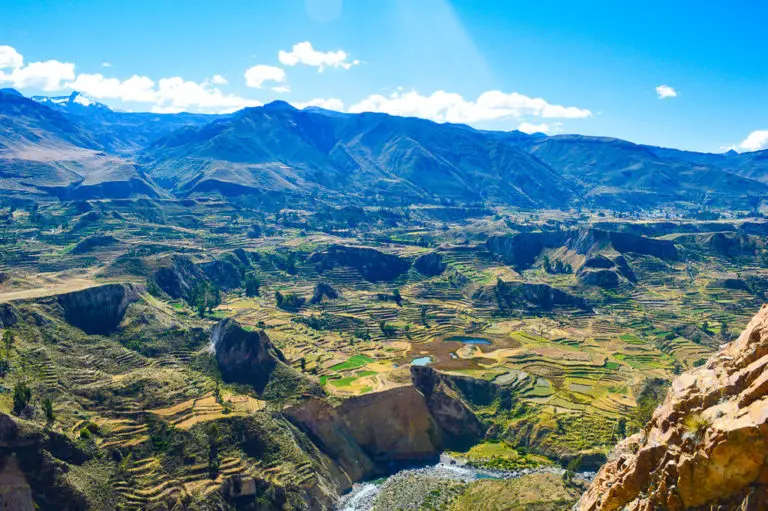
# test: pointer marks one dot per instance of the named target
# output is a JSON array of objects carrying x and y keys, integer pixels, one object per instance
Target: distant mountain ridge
[{"x": 277, "y": 148}]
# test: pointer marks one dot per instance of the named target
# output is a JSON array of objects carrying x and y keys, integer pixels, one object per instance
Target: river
[{"x": 363, "y": 495}]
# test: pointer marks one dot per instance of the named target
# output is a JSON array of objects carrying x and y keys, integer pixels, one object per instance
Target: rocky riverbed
[{"x": 435, "y": 485}]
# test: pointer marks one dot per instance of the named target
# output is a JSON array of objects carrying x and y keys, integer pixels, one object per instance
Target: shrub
[{"x": 696, "y": 425}]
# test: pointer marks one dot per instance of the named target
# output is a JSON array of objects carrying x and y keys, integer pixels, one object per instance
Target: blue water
[
  {"x": 421, "y": 361},
  {"x": 467, "y": 340}
]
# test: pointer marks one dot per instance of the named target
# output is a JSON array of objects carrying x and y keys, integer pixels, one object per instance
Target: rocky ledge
[{"x": 706, "y": 447}]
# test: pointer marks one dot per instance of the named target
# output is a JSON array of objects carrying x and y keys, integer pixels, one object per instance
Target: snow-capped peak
[
  {"x": 78, "y": 98},
  {"x": 74, "y": 103}
]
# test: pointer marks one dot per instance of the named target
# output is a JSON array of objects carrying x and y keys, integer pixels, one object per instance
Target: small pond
[
  {"x": 421, "y": 361},
  {"x": 467, "y": 340}
]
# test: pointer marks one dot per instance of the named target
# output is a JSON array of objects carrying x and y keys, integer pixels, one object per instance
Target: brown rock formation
[{"x": 706, "y": 447}]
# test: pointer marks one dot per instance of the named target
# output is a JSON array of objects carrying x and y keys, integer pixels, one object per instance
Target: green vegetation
[
  {"x": 352, "y": 362},
  {"x": 557, "y": 380}
]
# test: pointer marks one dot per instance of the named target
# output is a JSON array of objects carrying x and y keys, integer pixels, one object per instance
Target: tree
[
  {"x": 724, "y": 334},
  {"x": 424, "y": 316},
  {"x": 303, "y": 364},
  {"x": 213, "y": 450},
  {"x": 571, "y": 469},
  {"x": 252, "y": 285},
  {"x": 22, "y": 394},
  {"x": 621, "y": 428},
  {"x": 397, "y": 297},
  {"x": 8, "y": 340},
  {"x": 48, "y": 409},
  {"x": 279, "y": 298}
]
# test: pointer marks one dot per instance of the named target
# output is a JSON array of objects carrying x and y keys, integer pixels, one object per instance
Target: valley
[{"x": 261, "y": 310}]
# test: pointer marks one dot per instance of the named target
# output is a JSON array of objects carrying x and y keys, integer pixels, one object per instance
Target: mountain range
[{"x": 73, "y": 147}]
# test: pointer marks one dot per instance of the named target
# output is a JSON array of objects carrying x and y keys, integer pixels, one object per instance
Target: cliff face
[
  {"x": 372, "y": 434},
  {"x": 244, "y": 356},
  {"x": 706, "y": 447},
  {"x": 373, "y": 265},
  {"x": 33, "y": 464},
  {"x": 98, "y": 310}
]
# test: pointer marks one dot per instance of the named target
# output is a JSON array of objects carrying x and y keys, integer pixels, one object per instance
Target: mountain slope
[
  {"x": 619, "y": 173},
  {"x": 280, "y": 148},
  {"x": 120, "y": 132},
  {"x": 43, "y": 153}
]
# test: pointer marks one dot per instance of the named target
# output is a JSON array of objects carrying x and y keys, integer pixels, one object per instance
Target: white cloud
[
  {"x": 304, "y": 53},
  {"x": 281, "y": 89},
  {"x": 168, "y": 95},
  {"x": 665, "y": 91},
  {"x": 257, "y": 75},
  {"x": 755, "y": 141},
  {"x": 48, "y": 76},
  {"x": 106, "y": 64},
  {"x": 9, "y": 57},
  {"x": 181, "y": 93},
  {"x": 527, "y": 127},
  {"x": 136, "y": 88},
  {"x": 219, "y": 80},
  {"x": 328, "y": 104},
  {"x": 443, "y": 106}
]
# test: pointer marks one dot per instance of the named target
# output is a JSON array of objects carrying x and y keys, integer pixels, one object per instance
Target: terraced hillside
[{"x": 200, "y": 353}]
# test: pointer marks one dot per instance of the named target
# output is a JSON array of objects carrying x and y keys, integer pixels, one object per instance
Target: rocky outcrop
[
  {"x": 33, "y": 464},
  {"x": 179, "y": 277},
  {"x": 324, "y": 291},
  {"x": 375, "y": 433},
  {"x": 430, "y": 264},
  {"x": 521, "y": 250},
  {"x": 92, "y": 243},
  {"x": 98, "y": 310},
  {"x": 601, "y": 271},
  {"x": 706, "y": 447},
  {"x": 456, "y": 421},
  {"x": 510, "y": 296},
  {"x": 244, "y": 356},
  {"x": 8, "y": 316},
  {"x": 372, "y": 264},
  {"x": 591, "y": 241},
  {"x": 223, "y": 274}
]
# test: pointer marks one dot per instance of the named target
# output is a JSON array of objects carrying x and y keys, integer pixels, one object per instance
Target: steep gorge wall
[
  {"x": 706, "y": 447},
  {"x": 375, "y": 433}
]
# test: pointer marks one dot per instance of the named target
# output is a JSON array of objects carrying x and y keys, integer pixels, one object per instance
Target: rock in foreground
[{"x": 706, "y": 447}]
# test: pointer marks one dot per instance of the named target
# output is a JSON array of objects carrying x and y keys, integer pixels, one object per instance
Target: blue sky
[{"x": 564, "y": 67}]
